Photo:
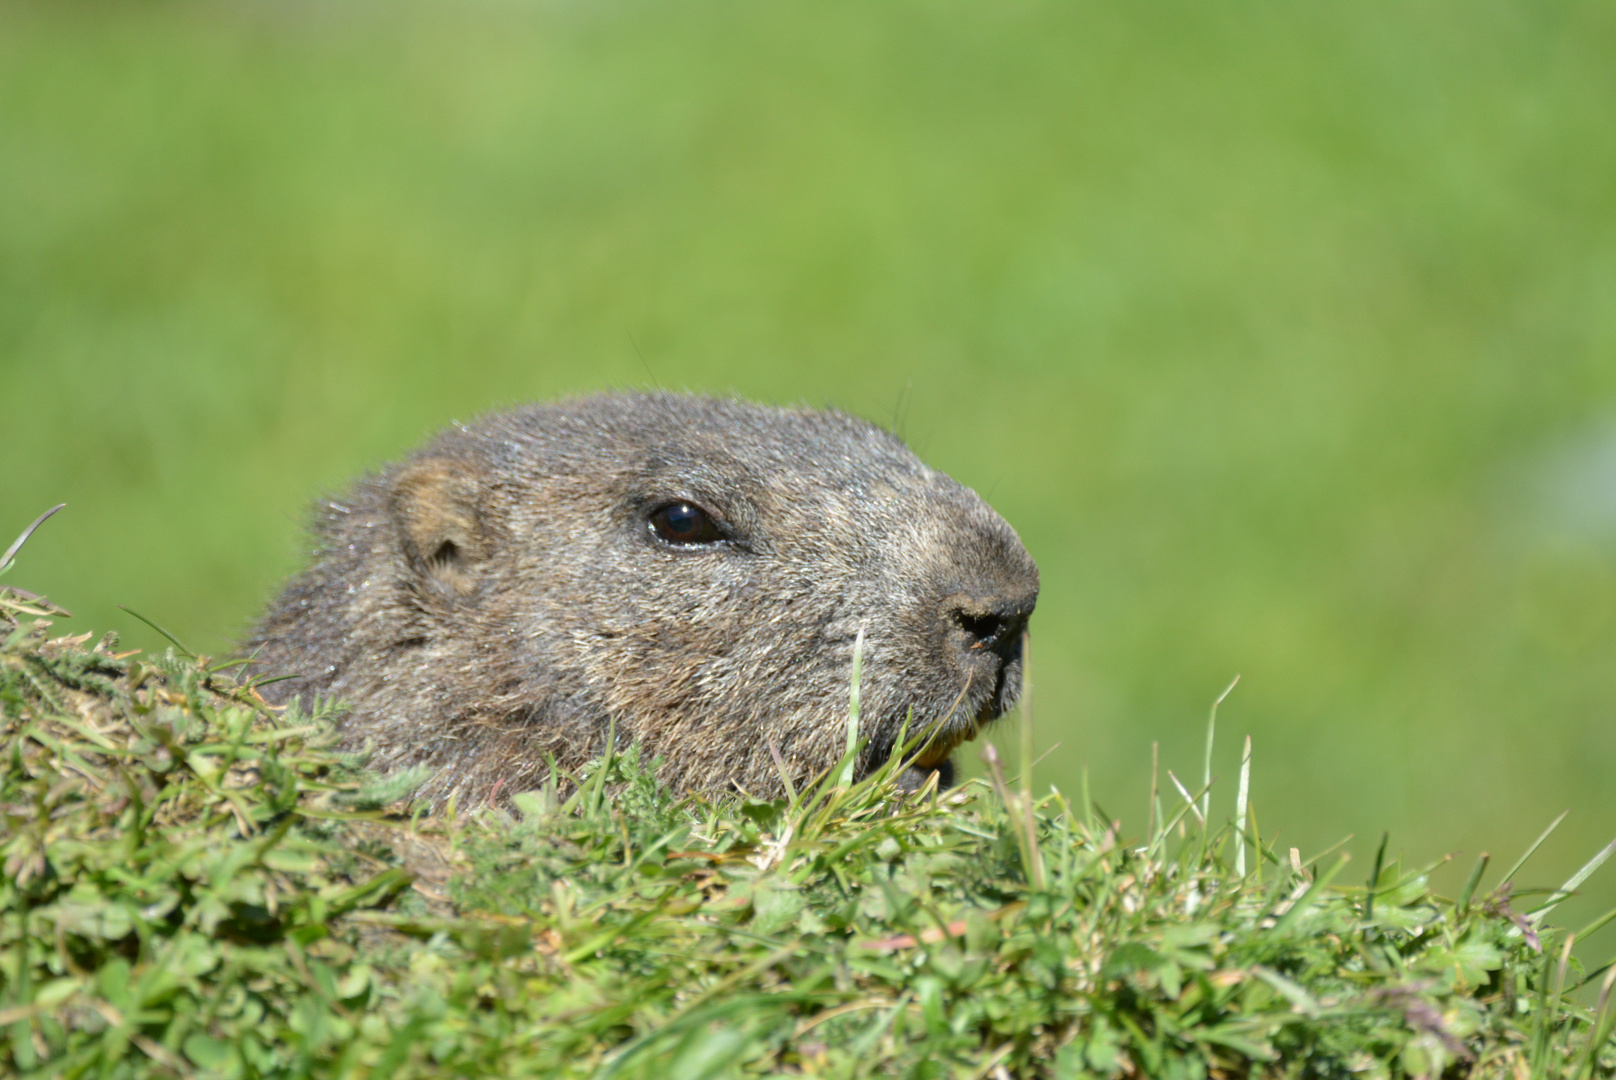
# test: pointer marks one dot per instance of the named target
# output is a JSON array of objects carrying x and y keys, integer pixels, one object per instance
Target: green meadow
[{"x": 1284, "y": 334}]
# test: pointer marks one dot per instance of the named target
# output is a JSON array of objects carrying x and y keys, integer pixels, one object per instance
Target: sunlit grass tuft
[{"x": 195, "y": 884}]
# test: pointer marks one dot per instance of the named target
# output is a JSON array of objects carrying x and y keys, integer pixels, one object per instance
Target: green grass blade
[
  {"x": 1154, "y": 820},
  {"x": 1573, "y": 883},
  {"x": 1307, "y": 899},
  {"x": 1597, "y": 924},
  {"x": 1211, "y": 733},
  {"x": 172, "y": 640},
  {"x": 16, "y": 545},
  {"x": 1520, "y": 862},
  {"x": 1374, "y": 877},
  {"x": 1471, "y": 883},
  {"x": 1241, "y": 801},
  {"x": 851, "y": 755},
  {"x": 780, "y": 767},
  {"x": 1026, "y": 721}
]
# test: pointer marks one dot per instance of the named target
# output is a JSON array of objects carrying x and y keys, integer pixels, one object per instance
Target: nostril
[
  {"x": 987, "y": 619},
  {"x": 983, "y": 630},
  {"x": 993, "y": 630}
]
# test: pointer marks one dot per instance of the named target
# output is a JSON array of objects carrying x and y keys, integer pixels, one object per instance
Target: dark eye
[{"x": 685, "y": 525}]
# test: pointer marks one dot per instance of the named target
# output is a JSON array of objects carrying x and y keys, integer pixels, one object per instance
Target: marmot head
[{"x": 698, "y": 569}]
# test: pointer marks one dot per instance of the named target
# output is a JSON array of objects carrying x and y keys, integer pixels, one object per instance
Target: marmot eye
[{"x": 685, "y": 525}]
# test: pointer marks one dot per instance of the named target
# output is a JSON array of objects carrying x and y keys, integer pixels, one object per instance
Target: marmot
[{"x": 696, "y": 568}]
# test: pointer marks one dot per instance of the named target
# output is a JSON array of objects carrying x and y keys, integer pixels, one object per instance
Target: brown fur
[{"x": 500, "y": 594}]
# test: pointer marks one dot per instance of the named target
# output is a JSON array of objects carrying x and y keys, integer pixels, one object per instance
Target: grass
[{"x": 198, "y": 885}]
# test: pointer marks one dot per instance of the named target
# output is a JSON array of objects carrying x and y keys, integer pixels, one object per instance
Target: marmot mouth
[
  {"x": 961, "y": 726},
  {"x": 957, "y": 730}
]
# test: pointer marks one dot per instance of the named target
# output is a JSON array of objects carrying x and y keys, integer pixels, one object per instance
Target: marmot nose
[{"x": 991, "y": 623}]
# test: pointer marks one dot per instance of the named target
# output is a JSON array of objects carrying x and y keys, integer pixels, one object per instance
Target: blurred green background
[{"x": 1285, "y": 334}]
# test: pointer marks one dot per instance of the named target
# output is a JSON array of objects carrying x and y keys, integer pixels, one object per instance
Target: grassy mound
[{"x": 197, "y": 885}]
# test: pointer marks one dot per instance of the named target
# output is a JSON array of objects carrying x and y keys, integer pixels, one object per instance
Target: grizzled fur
[{"x": 498, "y": 595}]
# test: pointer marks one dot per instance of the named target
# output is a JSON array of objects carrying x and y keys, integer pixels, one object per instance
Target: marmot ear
[{"x": 436, "y": 506}]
